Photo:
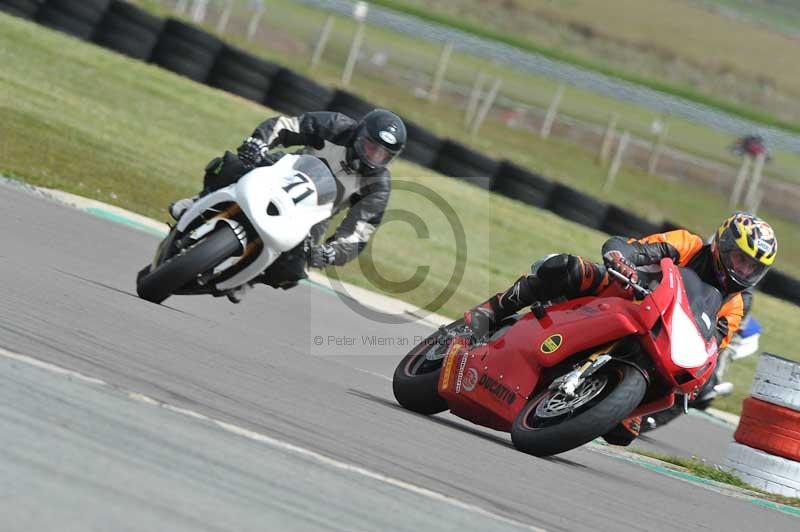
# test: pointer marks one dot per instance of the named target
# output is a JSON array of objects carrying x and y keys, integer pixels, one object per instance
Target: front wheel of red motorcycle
[
  {"x": 416, "y": 378},
  {"x": 553, "y": 422}
]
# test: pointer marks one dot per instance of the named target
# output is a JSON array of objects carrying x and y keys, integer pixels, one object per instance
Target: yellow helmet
[{"x": 744, "y": 248}]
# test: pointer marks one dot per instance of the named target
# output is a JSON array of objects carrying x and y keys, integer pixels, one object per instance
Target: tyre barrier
[
  {"x": 765, "y": 471},
  {"x": 770, "y": 428},
  {"x": 459, "y": 161},
  {"x": 577, "y": 206},
  {"x": 766, "y": 448},
  {"x": 623, "y": 223},
  {"x": 243, "y": 74},
  {"x": 520, "y": 184},
  {"x": 198, "y": 55},
  {"x": 349, "y": 104},
  {"x": 422, "y": 146},
  {"x": 186, "y": 50},
  {"x": 293, "y": 94},
  {"x": 780, "y": 285},
  {"x": 129, "y": 30},
  {"x": 20, "y": 8},
  {"x": 777, "y": 381},
  {"x": 78, "y": 18}
]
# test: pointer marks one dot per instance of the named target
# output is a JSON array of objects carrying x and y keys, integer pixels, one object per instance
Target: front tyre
[
  {"x": 158, "y": 284},
  {"x": 416, "y": 378},
  {"x": 552, "y": 423}
]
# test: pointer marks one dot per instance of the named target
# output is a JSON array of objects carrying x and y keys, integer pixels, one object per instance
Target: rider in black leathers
[{"x": 356, "y": 152}]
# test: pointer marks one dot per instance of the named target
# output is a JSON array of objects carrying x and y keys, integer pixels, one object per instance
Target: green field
[
  {"x": 670, "y": 45},
  {"x": 76, "y": 117}
]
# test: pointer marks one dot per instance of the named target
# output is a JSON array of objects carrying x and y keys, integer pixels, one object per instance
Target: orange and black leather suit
[{"x": 572, "y": 276}]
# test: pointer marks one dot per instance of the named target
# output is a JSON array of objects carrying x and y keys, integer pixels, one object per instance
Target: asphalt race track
[{"x": 266, "y": 430}]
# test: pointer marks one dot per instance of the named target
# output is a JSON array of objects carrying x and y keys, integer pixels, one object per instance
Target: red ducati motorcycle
[{"x": 565, "y": 373}]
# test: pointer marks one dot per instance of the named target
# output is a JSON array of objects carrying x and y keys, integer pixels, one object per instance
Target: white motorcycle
[{"x": 231, "y": 236}]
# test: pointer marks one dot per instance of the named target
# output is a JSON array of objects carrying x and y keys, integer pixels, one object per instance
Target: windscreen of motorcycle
[
  {"x": 320, "y": 176},
  {"x": 693, "y": 321}
]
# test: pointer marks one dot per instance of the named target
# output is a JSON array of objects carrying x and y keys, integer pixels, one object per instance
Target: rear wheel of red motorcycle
[
  {"x": 552, "y": 423},
  {"x": 416, "y": 378}
]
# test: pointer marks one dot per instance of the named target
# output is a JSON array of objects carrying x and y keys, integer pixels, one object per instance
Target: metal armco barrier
[
  {"x": 766, "y": 450},
  {"x": 194, "y": 53}
]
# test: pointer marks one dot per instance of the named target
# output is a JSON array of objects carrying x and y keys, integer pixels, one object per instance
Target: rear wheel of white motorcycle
[
  {"x": 416, "y": 378},
  {"x": 158, "y": 284},
  {"x": 552, "y": 422}
]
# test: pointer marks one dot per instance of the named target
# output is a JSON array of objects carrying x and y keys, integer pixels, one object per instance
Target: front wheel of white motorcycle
[
  {"x": 552, "y": 422},
  {"x": 158, "y": 284}
]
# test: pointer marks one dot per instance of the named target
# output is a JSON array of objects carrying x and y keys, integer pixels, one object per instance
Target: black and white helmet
[{"x": 378, "y": 140}]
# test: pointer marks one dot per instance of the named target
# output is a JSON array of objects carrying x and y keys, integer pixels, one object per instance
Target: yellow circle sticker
[{"x": 551, "y": 344}]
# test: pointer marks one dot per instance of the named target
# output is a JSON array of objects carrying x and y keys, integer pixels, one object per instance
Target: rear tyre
[
  {"x": 551, "y": 423},
  {"x": 416, "y": 378},
  {"x": 179, "y": 270}
]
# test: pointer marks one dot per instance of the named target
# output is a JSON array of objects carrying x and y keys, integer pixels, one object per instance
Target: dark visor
[{"x": 373, "y": 153}]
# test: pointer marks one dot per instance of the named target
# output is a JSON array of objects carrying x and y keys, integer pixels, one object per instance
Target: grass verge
[
  {"x": 688, "y": 93},
  {"x": 76, "y": 117},
  {"x": 716, "y": 473}
]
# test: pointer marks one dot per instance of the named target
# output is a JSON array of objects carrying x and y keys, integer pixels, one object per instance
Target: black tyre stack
[
  {"x": 20, "y": 8},
  {"x": 422, "y": 146},
  {"x": 78, "y": 18},
  {"x": 186, "y": 50},
  {"x": 293, "y": 94},
  {"x": 349, "y": 104},
  {"x": 577, "y": 206},
  {"x": 780, "y": 285},
  {"x": 461, "y": 162},
  {"x": 129, "y": 30},
  {"x": 520, "y": 184},
  {"x": 624, "y": 223},
  {"x": 242, "y": 73}
]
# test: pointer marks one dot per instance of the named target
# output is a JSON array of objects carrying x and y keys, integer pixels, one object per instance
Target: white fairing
[
  {"x": 297, "y": 211},
  {"x": 688, "y": 349}
]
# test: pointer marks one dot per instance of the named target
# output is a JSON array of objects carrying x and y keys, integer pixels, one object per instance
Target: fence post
[
  {"x": 360, "y": 14},
  {"x": 660, "y": 128},
  {"x": 751, "y": 199},
  {"x": 198, "y": 14},
  {"x": 252, "y": 28},
  {"x": 547, "y": 125},
  {"x": 608, "y": 138},
  {"x": 474, "y": 97},
  {"x": 617, "y": 162},
  {"x": 222, "y": 23},
  {"x": 441, "y": 68},
  {"x": 487, "y": 104},
  {"x": 738, "y": 185},
  {"x": 181, "y": 6},
  {"x": 322, "y": 43}
]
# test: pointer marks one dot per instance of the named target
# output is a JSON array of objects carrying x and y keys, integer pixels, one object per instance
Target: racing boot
[
  {"x": 236, "y": 295},
  {"x": 481, "y": 319},
  {"x": 625, "y": 432}
]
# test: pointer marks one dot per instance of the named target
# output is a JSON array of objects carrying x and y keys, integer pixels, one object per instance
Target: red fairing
[{"x": 490, "y": 384}]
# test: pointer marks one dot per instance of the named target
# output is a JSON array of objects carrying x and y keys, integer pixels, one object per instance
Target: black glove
[
  {"x": 321, "y": 256},
  {"x": 253, "y": 152},
  {"x": 614, "y": 260},
  {"x": 722, "y": 329},
  {"x": 480, "y": 320}
]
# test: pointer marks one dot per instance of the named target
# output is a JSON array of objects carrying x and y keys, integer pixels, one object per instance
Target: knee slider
[
  {"x": 556, "y": 267},
  {"x": 561, "y": 274}
]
